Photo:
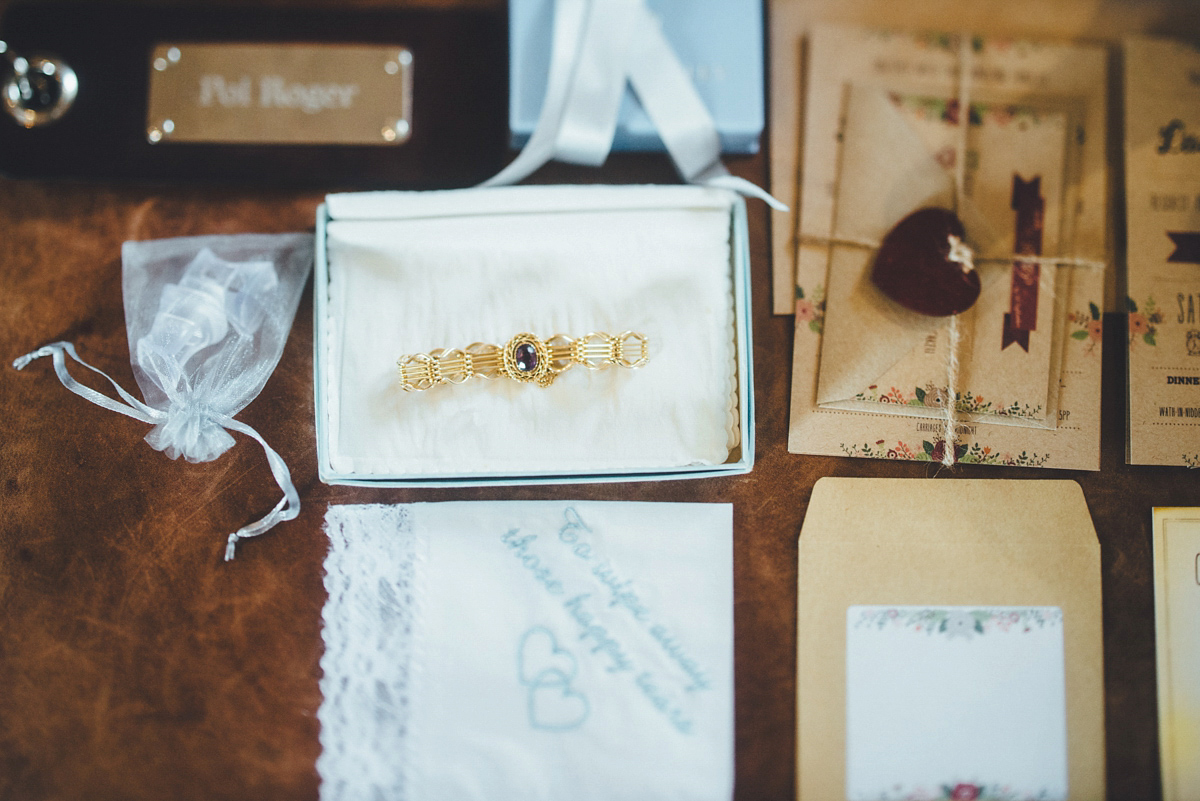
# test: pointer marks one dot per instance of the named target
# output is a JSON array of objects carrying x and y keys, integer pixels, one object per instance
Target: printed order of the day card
[
  {"x": 1177, "y": 630},
  {"x": 955, "y": 703},
  {"x": 1162, "y": 191},
  {"x": 873, "y": 380}
]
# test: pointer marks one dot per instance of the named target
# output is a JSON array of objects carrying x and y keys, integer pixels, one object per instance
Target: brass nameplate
[{"x": 310, "y": 94}]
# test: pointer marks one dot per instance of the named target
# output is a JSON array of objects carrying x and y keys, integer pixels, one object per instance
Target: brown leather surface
[{"x": 135, "y": 664}]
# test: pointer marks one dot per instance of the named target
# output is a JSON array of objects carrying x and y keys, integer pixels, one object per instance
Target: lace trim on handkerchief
[{"x": 369, "y": 665}]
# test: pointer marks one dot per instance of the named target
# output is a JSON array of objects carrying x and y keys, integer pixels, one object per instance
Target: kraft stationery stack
[{"x": 1006, "y": 138}]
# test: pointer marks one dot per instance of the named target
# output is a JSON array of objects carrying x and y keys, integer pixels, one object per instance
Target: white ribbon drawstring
[
  {"x": 287, "y": 508},
  {"x": 596, "y": 46}
]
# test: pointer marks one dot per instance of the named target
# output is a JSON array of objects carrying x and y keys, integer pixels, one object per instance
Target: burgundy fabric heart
[{"x": 914, "y": 265}]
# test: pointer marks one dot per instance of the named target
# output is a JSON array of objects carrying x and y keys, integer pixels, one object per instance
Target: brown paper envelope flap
[
  {"x": 1042, "y": 514},
  {"x": 887, "y": 173}
]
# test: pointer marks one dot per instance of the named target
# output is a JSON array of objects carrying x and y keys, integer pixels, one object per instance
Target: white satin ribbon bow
[{"x": 598, "y": 45}]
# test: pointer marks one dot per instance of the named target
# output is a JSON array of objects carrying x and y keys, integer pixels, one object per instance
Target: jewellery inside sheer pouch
[{"x": 206, "y": 318}]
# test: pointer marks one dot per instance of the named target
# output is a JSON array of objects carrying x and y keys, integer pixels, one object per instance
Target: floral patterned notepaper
[{"x": 955, "y": 702}]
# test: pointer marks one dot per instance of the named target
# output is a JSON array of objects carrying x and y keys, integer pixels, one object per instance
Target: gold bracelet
[{"x": 523, "y": 358}]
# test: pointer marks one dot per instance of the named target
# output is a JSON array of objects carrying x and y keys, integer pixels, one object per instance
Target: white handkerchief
[{"x": 531, "y": 650}]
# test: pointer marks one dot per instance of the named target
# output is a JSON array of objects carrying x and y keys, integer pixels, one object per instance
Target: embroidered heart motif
[
  {"x": 539, "y": 653},
  {"x": 554, "y": 705},
  {"x": 925, "y": 266}
]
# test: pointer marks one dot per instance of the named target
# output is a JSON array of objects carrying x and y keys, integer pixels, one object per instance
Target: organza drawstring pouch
[{"x": 207, "y": 318}]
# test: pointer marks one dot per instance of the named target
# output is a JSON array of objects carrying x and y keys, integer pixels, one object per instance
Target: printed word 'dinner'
[{"x": 275, "y": 92}]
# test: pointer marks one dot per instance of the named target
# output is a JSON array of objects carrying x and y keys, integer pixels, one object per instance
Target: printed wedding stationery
[
  {"x": 792, "y": 20},
  {"x": 808, "y": 81},
  {"x": 1162, "y": 192},
  {"x": 1177, "y": 629},
  {"x": 869, "y": 345},
  {"x": 931, "y": 675},
  {"x": 949, "y": 642},
  {"x": 1013, "y": 379},
  {"x": 531, "y": 650}
]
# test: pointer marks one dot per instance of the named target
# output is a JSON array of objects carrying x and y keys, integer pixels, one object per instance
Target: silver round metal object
[{"x": 38, "y": 90}]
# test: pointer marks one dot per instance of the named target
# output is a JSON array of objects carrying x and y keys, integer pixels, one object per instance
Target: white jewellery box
[{"x": 400, "y": 274}]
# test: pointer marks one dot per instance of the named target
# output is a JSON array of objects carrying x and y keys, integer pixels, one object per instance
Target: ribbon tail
[
  {"x": 287, "y": 508},
  {"x": 1021, "y": 319},
  {"x": 744, "y": 187},
  {"x": 1187, "y": 247},
  {"x": 683, "y": 121},
  {"x": 589, "y": 118},
  {"x": 1013, "y": 335},
  {"x": 58, "y": 351},
  {"x": 570, "y": 17}
]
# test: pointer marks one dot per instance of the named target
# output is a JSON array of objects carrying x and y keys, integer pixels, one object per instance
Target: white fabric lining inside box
[{"x": 568, "y": 260}]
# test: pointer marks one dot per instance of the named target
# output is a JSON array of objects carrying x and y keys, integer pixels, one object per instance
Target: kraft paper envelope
[
  {"x": 877, "y": 356},
  {"x": 949, "y": 642}
]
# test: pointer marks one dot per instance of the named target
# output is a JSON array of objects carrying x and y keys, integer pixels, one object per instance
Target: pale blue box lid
[{"x": 720, "y": 42}]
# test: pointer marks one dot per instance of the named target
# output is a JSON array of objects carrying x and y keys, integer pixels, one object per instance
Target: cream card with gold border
[{"x": 1177, "y": 644}]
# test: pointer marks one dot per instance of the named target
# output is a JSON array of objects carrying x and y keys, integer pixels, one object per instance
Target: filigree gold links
[{"x": 524, "y": 358}]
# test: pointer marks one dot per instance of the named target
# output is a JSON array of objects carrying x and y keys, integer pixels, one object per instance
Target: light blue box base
[
  {"x": 741, "y": 460},
  {"x": 719, "y": 42}
]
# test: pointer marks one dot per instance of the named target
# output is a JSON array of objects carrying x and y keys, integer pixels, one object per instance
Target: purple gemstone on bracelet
[{"x": 526, "y": 357}]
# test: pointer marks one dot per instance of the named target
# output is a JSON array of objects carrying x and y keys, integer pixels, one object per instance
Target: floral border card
[
  {"x": 955, "y": 702},
  {"x": 1177, "y": 630},
  {"x": 1162, "y": 196}
]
